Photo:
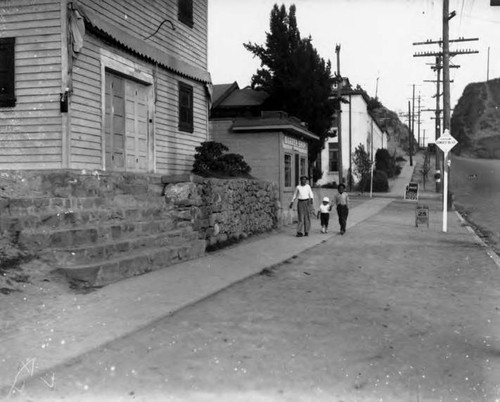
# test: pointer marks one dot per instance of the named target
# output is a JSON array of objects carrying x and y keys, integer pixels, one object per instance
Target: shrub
[
  {"x": 380, "y": 182},
  {"x": 232, "y": 164},
  {"x": 210, "y": 160},
  {"x": 207, "y": 155},
  {"x": 331, "y": 184},
  {"x": 386, "y": 162}
]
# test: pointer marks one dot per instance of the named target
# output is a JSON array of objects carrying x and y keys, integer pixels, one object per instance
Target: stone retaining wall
[{"x": 224, "y": 211}]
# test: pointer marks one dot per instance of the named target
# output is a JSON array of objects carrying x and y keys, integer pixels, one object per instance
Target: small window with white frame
[{"x": 333, "y": 157}]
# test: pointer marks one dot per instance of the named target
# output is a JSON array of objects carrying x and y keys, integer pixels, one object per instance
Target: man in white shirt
[{"x": 304, "y": 195}]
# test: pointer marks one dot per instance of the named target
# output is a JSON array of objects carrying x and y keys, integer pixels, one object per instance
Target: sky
[{"x": 376, "y": 39}]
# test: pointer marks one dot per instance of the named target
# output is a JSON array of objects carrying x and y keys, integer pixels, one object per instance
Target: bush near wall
[
  {"x": 225, "y": 211},
  {"x": 386, "y": 162},
  {"x": 380, "y": 182}
]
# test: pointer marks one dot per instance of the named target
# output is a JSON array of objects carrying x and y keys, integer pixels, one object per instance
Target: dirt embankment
[{"x": 475, "y": 184}]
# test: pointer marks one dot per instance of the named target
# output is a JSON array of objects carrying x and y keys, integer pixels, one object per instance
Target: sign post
[{"x": 446, "y": 142}]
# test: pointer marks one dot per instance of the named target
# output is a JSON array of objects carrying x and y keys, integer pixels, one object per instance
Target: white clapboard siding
[
  {"x": 86, "y": 113},
  {"x": 175, "y": 148},
  {"x": 143, "y": 18},
  {"x": 30, "y": 133}
]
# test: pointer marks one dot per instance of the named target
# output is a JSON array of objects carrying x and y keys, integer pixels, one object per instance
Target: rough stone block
[
  {"x": 108, "y": 273},
  {"x": 82, "y": 275},
  {"x": 162, "y": 258}
]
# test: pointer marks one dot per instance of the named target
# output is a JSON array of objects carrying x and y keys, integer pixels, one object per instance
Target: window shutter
[
  {"x": 185, "y": 107},
  {"x": 7, "y": 72},
  {"x": 185, "y": 12}
]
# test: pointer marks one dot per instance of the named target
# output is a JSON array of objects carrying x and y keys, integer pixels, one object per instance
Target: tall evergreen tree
[{"x": 297, "y": 79}]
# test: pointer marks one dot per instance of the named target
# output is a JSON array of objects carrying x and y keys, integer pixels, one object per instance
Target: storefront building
[{"x": 274, "y": 144}]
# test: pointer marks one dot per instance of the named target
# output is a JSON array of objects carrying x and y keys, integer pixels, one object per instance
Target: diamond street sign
[{"x": 446, "y": 142}]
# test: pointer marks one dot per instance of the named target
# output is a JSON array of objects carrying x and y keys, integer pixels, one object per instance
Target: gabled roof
[
  {"x": 231, "y": 96},
  {"x": 222, "y": 91}
]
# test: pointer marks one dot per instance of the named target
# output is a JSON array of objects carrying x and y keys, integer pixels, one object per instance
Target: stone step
[
  {"x": 36, "y": 205},
  {"x": 131, "y": 264},
  {"x": 68, "y": 218},
  {"x": 103, "y": 251},
  {"x": 45, "y": 238}
]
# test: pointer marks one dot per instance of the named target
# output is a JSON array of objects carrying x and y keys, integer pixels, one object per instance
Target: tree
[
  {"x": 362, "y": 166},
  {"x": 297, "y": 79}
]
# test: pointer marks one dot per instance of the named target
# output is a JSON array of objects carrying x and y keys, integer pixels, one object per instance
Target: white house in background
[{"x": 357, "y": 127}]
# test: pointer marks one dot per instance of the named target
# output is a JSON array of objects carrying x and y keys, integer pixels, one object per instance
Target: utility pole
[
  {"x": 418, "y": 121},
  {"x": 410, "y": 134},
  {"x": 441, "y": 64},
  {"x": 446, "y": 64},
  {"x": 438, "y": 119},
  {"x": 412, "y": 120},
  {"x": 339, "y": 115},
  {"x": 488, "y": 66}
]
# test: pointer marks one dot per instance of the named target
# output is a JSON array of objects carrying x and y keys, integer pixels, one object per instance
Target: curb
[{"x": 494, "y": 256}]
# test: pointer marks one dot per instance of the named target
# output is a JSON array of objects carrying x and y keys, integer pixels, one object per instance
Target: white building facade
[{"x": 357, "y": 127}]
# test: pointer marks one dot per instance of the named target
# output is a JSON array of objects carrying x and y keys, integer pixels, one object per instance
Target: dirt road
[{"x": 388, "y": 312}]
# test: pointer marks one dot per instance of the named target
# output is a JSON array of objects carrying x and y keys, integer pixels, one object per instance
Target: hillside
[
  {"x": 389, "y": 121},
  {"x": 397, "y": 130},
  {"x": 475, "y": 122}
]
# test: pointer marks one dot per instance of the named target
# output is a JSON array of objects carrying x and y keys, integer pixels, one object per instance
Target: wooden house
[
  {"x": 274, "y": 144},
  {"x": 115, "y": 85}
]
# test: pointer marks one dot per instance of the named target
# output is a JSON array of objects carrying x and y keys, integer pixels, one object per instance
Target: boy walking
[
  {"x": 324, "y": 214},
  {"x": 303, "y": 193},
  {"x": 342, "y": 203}
]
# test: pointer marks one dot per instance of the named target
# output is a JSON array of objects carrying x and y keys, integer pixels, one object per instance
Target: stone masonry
[
  {"x": 99, "y": 227},
  {"x": 224, "y": 211}
]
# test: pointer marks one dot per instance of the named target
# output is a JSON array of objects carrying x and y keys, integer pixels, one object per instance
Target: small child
[{"x": 324, "y": 214}]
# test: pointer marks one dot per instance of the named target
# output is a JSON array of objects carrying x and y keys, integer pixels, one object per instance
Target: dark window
[
  {"x": 185, "y": 107},
  {"x": 303, "y": 171},
  {"x": 7, "y": 72},
  {"x": 288, "y": 170},
  {"x": 297, "y": 172},
  {"x": 333, "y": 157},
  {"x": 185, "y": 12}
]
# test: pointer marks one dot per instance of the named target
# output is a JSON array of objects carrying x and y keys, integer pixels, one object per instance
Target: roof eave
[{"x": 282, "y": 127}]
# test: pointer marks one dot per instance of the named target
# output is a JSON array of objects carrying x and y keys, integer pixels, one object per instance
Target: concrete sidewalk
[{"x": 69, "y": 325}]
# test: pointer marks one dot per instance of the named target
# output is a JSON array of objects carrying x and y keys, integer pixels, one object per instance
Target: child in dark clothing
[
  {"x": 324, "y": 214},
  {"x": 342, "y": 203}
]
